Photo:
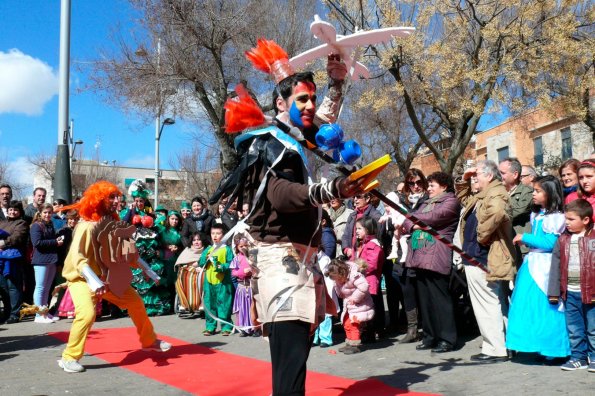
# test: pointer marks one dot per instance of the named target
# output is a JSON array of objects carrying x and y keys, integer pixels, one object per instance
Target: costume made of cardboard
[{"x": 101, "y": 253}]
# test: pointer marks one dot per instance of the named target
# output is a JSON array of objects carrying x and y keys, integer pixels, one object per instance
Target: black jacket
[{"x": 201, "y": 223}]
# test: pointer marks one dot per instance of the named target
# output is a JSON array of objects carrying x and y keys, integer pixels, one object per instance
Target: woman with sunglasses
[{"x": 413, "y": 196}]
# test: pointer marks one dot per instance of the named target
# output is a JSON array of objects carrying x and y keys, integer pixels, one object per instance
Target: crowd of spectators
[{"x": 516, "y": 223}]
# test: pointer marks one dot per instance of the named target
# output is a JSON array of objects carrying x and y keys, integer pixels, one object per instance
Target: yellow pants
[{"x": 84, "y": 305}]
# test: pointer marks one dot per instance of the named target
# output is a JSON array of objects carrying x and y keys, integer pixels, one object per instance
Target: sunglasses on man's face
[{"x": 360, "y": 196}]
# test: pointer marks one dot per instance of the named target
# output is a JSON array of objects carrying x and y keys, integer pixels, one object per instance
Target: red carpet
[{"x": 199, "y": 370}]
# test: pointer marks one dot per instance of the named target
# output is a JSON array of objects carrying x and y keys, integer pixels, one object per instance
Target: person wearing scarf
[
  {"x": 200, "y": 220},
  {"x": 432, "y": 263}
]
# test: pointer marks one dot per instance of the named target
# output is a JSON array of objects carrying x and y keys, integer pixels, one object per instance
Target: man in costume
[
  {"x": 98, "y": 265},
  {"x": 274, "y": 177}
]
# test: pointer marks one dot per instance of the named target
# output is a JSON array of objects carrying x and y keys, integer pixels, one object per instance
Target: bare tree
[
  {"x": 197, "y": 168},
  {"x": 187, "y": 55},
  {"x": 83, "y": 172},
  {"x": 6, "y": 177},
  {"x": 466, "y": 57}
]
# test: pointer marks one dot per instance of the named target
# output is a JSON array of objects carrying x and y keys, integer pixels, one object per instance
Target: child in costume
[
  {"x": 572, "y": 278},
  {"x": 240, "y": 268},
  {"x": 217, "y": 284},
  {"x": 358, "y": 307},
  {"x": 533, "y": 324},
  {"x": 87, "y": 272}
]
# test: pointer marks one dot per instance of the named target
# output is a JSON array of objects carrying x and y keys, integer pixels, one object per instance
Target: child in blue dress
[{"x": 534, "y": 325}]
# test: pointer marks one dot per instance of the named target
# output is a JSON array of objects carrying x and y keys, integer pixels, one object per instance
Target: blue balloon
[
  {"x": 329, "y": 136},
  {"x": 348, "y": 152}
]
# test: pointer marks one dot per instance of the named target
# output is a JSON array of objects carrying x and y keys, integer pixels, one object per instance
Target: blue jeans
[
  {"x": 13, "y": 284},
  {"x": 44, "y": 276},
  {"x": 580, "y": 322}
]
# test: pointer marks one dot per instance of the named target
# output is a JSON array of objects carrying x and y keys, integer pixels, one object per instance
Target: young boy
[
  {"x": 218, "y": 287},
  {"x": 572, "y": 277}
]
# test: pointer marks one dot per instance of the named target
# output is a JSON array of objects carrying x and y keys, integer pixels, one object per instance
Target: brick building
[{"x": 538, "y": 138}]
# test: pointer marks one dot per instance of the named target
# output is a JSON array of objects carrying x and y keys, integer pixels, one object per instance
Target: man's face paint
[{"x": 303, "y": 105}]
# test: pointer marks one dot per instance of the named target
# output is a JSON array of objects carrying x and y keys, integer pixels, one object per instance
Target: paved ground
[{"x": 28, "y": 360}]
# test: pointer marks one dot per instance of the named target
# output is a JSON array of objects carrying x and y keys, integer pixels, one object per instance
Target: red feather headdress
[
  {"x": 242, "y": 112},
  {"x": 270, "y": 58}
]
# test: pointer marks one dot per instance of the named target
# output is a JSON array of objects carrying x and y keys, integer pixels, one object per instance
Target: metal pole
[
  {"x": 63, "y": 183},
  {"x": 157, "y": 138},
  {"x": 157, "y": 127},
  {"x": 71, "y": 142}
]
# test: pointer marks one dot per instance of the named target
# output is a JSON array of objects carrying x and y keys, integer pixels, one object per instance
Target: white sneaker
[
  {"x": 53, "y": 318},
  {"x": 158, "y": 346},
  {"x": 71, "y": 366},
  {"x": 43, "y": 319}
]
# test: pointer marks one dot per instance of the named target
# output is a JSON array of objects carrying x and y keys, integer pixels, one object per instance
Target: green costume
[
  {"x": 168, "y": 237},
  {"x": 158, "y": 299},
  {"x": 217, "y": 286}
]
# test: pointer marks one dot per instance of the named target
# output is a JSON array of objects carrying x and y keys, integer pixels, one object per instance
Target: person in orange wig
[{"x": 86, "y": 276}]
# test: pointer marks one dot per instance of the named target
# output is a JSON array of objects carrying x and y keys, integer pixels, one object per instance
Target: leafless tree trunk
[{"x": 193, "y": 55}]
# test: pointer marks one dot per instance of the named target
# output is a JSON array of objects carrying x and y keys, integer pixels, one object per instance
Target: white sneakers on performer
[
  {"x": 71, "y": 366},
  {"x": 158, "y": 346}
]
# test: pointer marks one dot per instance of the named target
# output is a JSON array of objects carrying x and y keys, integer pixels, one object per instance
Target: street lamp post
[
  {"x": 158, "y": 132},
  {"x": 62, "y": 181},
  {"x": 72, "y": 143}
]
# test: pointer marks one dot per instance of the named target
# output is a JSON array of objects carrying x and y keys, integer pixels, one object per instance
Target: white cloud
[
  {"x": 21, "y": 173},
  {"x": 27, "y": 83}
]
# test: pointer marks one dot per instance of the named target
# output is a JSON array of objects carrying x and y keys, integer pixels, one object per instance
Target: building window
[
  {"x": 538, "y": 149},
  {"x": 566, "y": 144},
  {"x": 503, "y": 153}
]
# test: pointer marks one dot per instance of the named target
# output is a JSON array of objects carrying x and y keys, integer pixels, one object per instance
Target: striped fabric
[{"x": 189, "y": 287}]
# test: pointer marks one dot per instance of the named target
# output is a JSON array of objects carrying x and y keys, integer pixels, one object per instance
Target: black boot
[{"x": 411, "y": 335}]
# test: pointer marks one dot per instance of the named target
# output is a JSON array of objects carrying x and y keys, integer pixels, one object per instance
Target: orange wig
[{"x": 94, "y": 204}]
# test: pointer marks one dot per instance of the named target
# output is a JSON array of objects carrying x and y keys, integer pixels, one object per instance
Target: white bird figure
[{"x": 346, "y": 46}]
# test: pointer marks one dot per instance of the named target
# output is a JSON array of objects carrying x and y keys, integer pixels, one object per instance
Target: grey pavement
[{"x": 28, "y": 361}]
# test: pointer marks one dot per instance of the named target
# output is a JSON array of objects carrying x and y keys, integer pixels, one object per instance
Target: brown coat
[{"x": 494, "y": 226}]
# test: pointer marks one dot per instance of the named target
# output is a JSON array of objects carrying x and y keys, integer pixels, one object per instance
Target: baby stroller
[{"x": 188, "y": 291}]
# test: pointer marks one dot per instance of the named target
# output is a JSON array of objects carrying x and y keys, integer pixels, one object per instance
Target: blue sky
[{"x": 29, "y": 62}]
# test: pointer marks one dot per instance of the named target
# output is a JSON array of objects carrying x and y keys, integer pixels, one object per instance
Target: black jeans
[{"x": 290, "y": 343}]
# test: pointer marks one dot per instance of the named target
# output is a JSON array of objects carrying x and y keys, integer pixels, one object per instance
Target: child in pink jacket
[
  {"x": 368, "y": 248},
  {"x": 358, "y": 308}
]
